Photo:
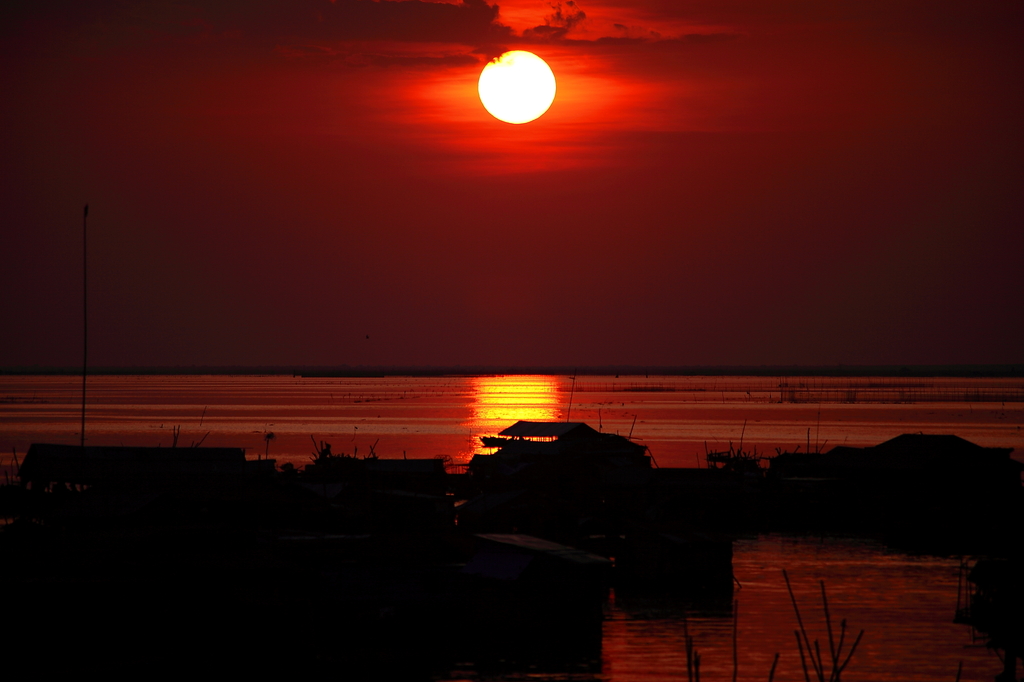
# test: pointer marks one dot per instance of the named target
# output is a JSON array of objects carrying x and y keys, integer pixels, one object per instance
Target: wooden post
[{"x": 85, "y": 312}]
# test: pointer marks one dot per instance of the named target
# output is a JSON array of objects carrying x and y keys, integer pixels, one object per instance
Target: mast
[{"x": 85, "y": 312}]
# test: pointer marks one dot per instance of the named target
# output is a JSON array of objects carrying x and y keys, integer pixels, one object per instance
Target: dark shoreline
[{"x": 916, "y": 371}]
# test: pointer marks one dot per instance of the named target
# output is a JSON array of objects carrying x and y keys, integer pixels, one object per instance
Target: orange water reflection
[{"x": 500, "y": 401}]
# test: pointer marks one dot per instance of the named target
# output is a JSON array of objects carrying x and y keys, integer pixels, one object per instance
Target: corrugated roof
[
  {"x": 535, "y": 544},
  {"x": 498, "y": 565},
  {"x": 525, "y": 429}
]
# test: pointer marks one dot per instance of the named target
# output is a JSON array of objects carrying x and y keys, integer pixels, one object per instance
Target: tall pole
[
  {"x": 85, "y": 311},
  {"x": 569, "y": 411}
]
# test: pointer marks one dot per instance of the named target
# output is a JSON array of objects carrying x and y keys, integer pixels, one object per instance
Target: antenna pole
[
  {"x": 85, "y": 312},
  {"x": 571, "y": 391}
]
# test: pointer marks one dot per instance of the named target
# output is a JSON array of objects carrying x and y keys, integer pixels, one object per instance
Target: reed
[
  {"x": 692, "y": 656},
  {"x": 813, "y": 654}
]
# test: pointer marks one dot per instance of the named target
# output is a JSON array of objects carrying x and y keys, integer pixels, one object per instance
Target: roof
[
  {"x": 910, "y": 451},
  {"x": 537, "y": 545},
  {"x": 525, "y": 429},
  {"x": 924, "y": 448},
  {"x": 93, "y": 464},
  {"x": 543, "y": 441},
  {"x": 936, "y": 444}
]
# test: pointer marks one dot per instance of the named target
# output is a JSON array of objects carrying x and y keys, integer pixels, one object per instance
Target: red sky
[{"x": 717, "y": 182}]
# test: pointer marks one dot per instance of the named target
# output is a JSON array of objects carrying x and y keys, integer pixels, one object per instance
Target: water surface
[
  {"x": 904, "y": 603},
  {"x": 677, "y": 417}
]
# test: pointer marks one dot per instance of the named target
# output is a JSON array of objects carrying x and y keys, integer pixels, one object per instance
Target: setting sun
[{"x": 517, "y": 87}]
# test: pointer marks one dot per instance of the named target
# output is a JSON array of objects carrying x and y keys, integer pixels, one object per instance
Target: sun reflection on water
[{"x": 500, "y": 401}]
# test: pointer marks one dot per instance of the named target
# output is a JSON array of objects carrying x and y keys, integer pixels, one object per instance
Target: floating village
[{"x": 155, "y": 557}]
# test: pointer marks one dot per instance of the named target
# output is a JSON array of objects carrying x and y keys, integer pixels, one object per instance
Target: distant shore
[{"x": 985, "y": 371}]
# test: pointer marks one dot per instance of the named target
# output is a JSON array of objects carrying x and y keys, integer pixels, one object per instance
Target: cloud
[
  {"x": 491, "y": 51},
  {"x": 354, "y": 32},
  {"x": 563, "y": 18}
]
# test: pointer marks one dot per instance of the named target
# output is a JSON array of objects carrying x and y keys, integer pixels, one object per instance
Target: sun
[{"x": 517, "y": 87}]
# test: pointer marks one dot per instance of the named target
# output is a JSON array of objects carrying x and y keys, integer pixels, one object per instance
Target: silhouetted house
[
  {"x": 413, "y": 475},
  {"x": 910, "y": 457},
  {"x": 383, "y": 494},
  {"x": 561, "y": 460},
  {"x": 68, "y": 484},
  {"x": 46, "y": 464},
  {"x": 520, "y": 510},
  {"x": 922, "y": 481},
  {"x": 527, "y": 441},
  {"x": 521, "y": 581}
]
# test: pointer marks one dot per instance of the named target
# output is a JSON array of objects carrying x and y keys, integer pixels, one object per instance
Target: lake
[{"x": 904, "y": 603}]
